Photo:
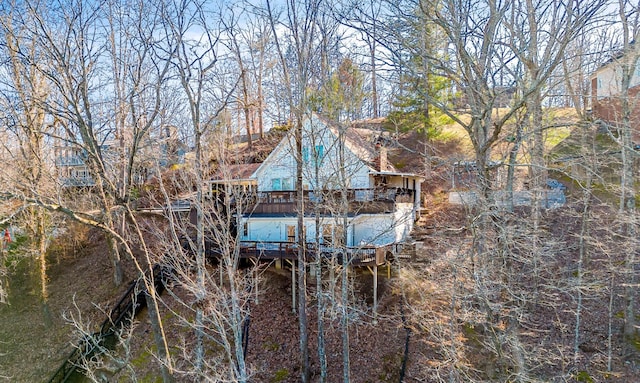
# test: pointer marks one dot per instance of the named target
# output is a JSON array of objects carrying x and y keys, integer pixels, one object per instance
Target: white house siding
[
  {"x": 382, "y": 229},
  {"x": 365, "y": 229},
  {"x": 274, "y": 229},
  {"x": 404, "y": 217},
  {"x": 609, "y": 79},
  {"x": 281, "y": 164},
  {"x": 374, "y": 229},
  {"x": 267, "y": 229},
  {"x": 607, "y": 82}
]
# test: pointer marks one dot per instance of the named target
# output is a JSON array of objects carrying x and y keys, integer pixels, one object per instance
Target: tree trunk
[
  {"x": 302, "y": 266},
  {"x": 513, "y": 160},
  {"x": 582, "y": 251},
  {"x": 245, "y": 103},
  {"x": 41, "y": 236},
  {"x": 538, "y": 180},
  {"x": 200, "y": 293},
  {"x": 260, "y": 106},
  {"x": 628, "y": 211},
  {"x": 344, "y": 319},
  {"x": 322, "y": 357},
  {"x": 374, "y": 82},
  {"x": 118, "y": 273},
  {"x": 628, "y": 191},
  {"x": 158, "y": 334}
]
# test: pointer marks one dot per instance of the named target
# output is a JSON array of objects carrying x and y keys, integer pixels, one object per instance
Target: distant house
[
  {"x": 465, "y": 175},
  {"x": 465, "y": 187},
  {"x": 606, "y": 91},
  {"x": 381, "y": 202},
  {"x": 71, "y": 159}
]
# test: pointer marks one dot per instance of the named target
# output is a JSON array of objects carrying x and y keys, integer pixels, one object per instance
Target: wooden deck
[
  {"x": 357, "y": 256},
  {"x": 362, "y": 201}
]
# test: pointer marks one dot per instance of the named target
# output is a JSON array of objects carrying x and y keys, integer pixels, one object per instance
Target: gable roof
[
  {"x": 617, "y": 56},
  {"x": 363, "y": 142}
]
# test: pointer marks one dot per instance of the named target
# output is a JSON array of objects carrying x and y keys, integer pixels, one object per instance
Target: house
[
  {"x": 163, "y": 151},
  {"x": 606, "y": 90},
  {"x": 71, "y": 166},
  {"x": 346, "y": 179}
]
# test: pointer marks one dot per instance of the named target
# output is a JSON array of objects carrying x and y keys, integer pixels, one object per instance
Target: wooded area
[{"x": 157, "y": 98}]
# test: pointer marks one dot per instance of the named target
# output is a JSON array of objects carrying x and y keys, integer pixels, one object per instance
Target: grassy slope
[
  {"x": 556, "y": 116},
  {"x": 30, "y": 351}
]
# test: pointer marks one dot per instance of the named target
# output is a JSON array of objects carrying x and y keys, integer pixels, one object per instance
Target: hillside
[
  {"x": 31, "y": 351},
  {"x": 488, "y": 296}
]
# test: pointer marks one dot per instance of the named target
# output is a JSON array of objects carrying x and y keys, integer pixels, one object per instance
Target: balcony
[
  {"x": 77, "y": 181},
  {"x": 70, "y": 161},
  {"x": 361, "y": 201}
]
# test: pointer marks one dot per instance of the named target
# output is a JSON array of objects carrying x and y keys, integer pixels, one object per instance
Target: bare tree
[
  {"x": 28, "y": 124},
  {"x": 194, "y": 61},
  {"x": 629, "y": 14},
  {"x": 299, "y": 21},
  {"x": 178, "y": 22},
  {"x": 71, "y": 46}
]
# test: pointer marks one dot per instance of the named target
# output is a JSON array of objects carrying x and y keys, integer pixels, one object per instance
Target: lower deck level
[{"x": 355, "y": 256}]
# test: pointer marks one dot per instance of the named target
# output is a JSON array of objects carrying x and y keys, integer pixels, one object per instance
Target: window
[
  {"x": 245, "y": 229},
  {"x": 275, "y": 184},
  {"x": 332, "y": 235},
  {"x": 286, "y": 184},
  {"x": 318, "y": 154},
  {"x": 305, "y": 154},
  {"x": 83, "y": 173},
  {"x": 291, "y": 233}
]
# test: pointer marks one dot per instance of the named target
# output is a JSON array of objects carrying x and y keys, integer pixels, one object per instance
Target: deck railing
[
  {"x": 77, "y": 181},
  {"x": 360, "y": 255},
  {"x": 360, "y": 200},
  {"x": 70, "y": 161}
]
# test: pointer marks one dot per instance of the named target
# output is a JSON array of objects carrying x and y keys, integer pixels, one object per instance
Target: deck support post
[
  {"x": 374, "y": 272},
  {"x": 255, "y": 279},
  {"x": 375, "y": 292},
  {"x": 293, "y": 286},
  {"x": 313, "y": 270}
]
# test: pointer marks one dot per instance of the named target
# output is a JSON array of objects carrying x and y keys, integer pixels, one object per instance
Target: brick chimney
[{"x": 381, "y": 160}]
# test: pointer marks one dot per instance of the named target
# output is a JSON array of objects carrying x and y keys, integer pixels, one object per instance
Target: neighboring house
[
  {"x": 606, "y": 91},
  {"x": 171, "y": 150},
  {"x": 153, "y": 153},
  {"x": 465, "y": 175},
  {"x": 381, "y": 202},
  {"x": 71, "y": 166},
  {"x": 465, "y": 187}
]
